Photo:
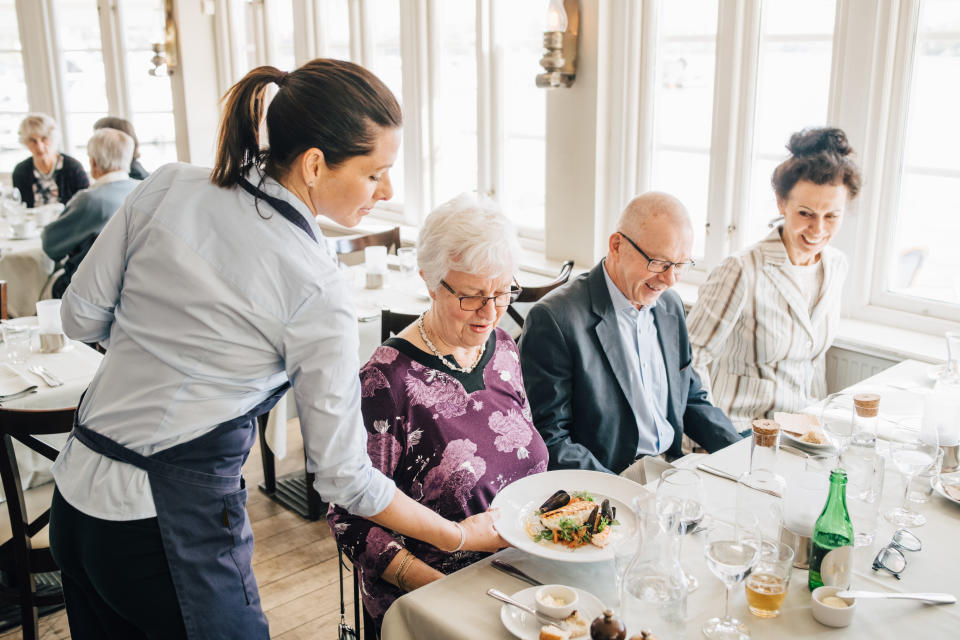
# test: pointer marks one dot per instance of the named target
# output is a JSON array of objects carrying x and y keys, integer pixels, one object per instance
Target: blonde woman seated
[
  {"x": 766, "y": 316},
  {"x": 443, "y": 402}
]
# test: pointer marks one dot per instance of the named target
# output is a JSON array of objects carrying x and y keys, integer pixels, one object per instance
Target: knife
[
  {"x": 19, "y": 394},
  {"x": 542, "y": 617},
  {"x": 933, "y": 598},
  {"x": 509, "y": 569},
  {"x": 729, "y": 476}
]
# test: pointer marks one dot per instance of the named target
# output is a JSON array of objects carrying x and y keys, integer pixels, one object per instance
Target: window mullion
[
  {"x": 361, "y": 38},
  {"x": 414, "y": 50},
  {"x": 114, "y": 58},
  {"x": 649, "y": 41},
  {"x": 484, "y": 48}
]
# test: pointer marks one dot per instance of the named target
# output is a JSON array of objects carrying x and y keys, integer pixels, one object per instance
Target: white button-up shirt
[
  {"x": 647, "y": 377},
  {"x": 207, "y": 305}
]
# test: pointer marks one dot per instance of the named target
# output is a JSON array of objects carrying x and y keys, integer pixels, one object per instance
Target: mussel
[
  {"x": 593, "y": 520},
  {"x": 560, "y": 499},
  {"x": 608, "y": 512}
]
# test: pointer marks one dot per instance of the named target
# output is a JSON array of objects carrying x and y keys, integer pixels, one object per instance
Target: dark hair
[
  {"x": 820, "y": 155},
  {"x": 120, "y": 124},
  {"x": 332, "y": 105}
]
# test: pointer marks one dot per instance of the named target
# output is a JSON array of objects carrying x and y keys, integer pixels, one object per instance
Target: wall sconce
[
  {"x": 560, "y": 42},
  {"x": 165, "y": 53}
]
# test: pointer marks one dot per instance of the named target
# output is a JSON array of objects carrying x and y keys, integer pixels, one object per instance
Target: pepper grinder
[{"x": 607, "y": 627}]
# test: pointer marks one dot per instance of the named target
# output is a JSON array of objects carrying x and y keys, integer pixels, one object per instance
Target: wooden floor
[{"x": 295, "y": 562}]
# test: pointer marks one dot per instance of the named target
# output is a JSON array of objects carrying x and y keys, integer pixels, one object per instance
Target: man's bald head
[{"x": 653, "y": 208}]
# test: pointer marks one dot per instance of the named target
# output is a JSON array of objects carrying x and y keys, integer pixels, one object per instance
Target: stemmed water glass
[
  {"x": 912, "y": 450},
  {"x": 680, "y": 491},
  {"x": 836, "y": 419},
  {"x": 733, "y": 548}
]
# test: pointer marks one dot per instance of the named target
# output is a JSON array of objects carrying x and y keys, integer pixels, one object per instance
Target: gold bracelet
[
  {"x": 403, "y": 562},
  {"x": 405, "y": 569}
]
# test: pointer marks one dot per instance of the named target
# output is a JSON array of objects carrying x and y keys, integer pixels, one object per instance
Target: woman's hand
[{"x": 480, "y": 534}]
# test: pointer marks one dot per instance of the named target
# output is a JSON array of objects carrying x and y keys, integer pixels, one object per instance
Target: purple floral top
[{"x": 449, "y": 440}]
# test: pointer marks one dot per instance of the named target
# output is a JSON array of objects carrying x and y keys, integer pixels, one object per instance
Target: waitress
[{"x": 214, "y": 293}]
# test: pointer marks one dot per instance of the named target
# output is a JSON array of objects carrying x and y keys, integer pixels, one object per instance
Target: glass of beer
[{"x": 767, "y": 583}]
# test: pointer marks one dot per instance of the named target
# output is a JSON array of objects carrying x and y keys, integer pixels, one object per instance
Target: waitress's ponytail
[
  {"x": 331, "y": 105},
  {"x": 239, "y": 140}
]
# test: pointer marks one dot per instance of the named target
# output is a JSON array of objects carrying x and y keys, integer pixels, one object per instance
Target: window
[
  {"x": 683, "y": 104},
  {"x": 13, "y": 99},
  {"x": 917, "y": 260}
]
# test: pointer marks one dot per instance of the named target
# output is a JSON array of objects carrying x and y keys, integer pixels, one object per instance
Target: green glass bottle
[{"x": 831, "y": 556}]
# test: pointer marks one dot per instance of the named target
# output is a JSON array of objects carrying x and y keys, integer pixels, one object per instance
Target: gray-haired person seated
[
  {"x": 443, "y": 402},
  {"x": 606, "y": 359},
  {"x": 70, "y": 236}
]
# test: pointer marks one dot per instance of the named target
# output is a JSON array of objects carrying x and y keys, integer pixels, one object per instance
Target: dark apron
[{"x": 200, "y": 498}]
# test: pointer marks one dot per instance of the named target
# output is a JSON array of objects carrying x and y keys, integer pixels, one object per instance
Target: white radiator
[{"x": 846, "y": 367}]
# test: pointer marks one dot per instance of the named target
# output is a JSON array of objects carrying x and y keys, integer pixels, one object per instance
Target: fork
[{"x": 50, "y": 379}]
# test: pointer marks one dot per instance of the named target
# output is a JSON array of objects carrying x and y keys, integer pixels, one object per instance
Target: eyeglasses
[
  {"x": 891, "y": 558},
  {"x": 475, "y": 303},
  {"x": 659, "y": 266}
]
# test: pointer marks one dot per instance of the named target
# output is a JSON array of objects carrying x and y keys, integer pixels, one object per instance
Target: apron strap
[
  {"x": 284, "y": 208},
  {"x": 115, "y": 451}
]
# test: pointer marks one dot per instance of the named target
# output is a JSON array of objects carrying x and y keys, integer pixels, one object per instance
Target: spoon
[
  {"x": 933, "y": 598},
  {"x": 542, "y": 617}
]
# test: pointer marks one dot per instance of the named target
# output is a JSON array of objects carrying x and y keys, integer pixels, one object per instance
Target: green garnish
[{"x": 583, "y": 495}]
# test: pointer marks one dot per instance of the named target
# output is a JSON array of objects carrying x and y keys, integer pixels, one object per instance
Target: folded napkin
[{"x": 12, "y": 383}]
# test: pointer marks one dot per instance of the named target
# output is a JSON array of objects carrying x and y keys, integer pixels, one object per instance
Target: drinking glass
[
  {"x": 732, "y": 549},
  {"x": 760, "y": 492},
  {"x": 407, "y": 256},
  {"x": 626, "y": 538},
  {"x": 836, "y": 419},
  {"x": 16, "y": 339},
  {"x": 912, "y": 451},
  {"x": 922, "y": 486},
  {"x": 680, "y": 491},
  {"x": 766, "y": 586}
]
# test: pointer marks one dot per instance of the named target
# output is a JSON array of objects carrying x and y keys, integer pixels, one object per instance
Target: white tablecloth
[
  {"x": 75, "y": 366},
  {"x": 25, "y": 267},
  {"x": 427, "y": 612}
]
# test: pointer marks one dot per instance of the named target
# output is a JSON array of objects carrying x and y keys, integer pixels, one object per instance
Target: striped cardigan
[{"x": 756, "y": 345}]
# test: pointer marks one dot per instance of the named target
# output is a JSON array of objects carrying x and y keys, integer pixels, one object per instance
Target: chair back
[
  {"x": 3, "y": 300},
  {"x": 18, "y": 557},
  {"x": 533, "y": 294},
  {"x": 389, "y": 239},
  {"x": 392, "y": 323}
]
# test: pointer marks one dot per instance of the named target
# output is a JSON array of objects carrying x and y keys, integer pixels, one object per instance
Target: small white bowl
[
  {"x": 547, "y": 596},
  {"x": 832, "y": 616}
]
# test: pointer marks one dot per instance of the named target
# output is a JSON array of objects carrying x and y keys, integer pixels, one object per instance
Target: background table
[
  {"x": 75, "y": 366},
  {"x": 426, "y": 613},
  {"x": 26, "y": 268}
]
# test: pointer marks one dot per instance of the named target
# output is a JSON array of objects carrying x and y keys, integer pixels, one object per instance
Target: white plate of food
[
  {"x": 584, "y": 519},
  {"x": 952, "y": 489},
  {"x": 811, "y": 435},
  {"x": 526, "y": 626}
]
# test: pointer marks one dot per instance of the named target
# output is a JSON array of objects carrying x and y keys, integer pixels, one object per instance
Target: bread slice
[
  {"x": 551, "y": 632},
  {"x": 578, "y": 626}
]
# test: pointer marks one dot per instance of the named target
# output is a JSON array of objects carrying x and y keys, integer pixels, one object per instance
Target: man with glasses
[{"x": 606, "y": 360}]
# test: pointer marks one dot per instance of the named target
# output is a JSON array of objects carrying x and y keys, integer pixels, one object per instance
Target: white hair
[
  {"x": 111, "y": 149},
  {"x": 467, "y": 234},
  {"x": 39, "y": 124}
]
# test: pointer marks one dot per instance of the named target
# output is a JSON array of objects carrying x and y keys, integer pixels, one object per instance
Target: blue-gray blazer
[{"x": 573, "y": 365}]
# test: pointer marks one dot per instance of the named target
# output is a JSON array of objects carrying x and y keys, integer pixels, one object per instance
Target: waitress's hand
[{"x": 480, "y": 532}]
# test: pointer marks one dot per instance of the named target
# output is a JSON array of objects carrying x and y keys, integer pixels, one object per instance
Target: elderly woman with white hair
[
  {"x": 69, "y": 237},
  {"x": 47, "y": 176},
  {"x": 443, "y": 401}
]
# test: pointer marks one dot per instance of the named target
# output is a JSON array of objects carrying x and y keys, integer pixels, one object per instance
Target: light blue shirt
[
  {"x": 647, "y": 375},
  {"x": 209, "y": 303}
]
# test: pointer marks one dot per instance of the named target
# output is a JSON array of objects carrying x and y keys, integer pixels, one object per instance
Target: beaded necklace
[{"x": 443, "y": 359}]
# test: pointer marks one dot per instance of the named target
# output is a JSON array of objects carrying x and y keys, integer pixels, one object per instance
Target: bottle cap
[{"x": 867, "y": 405}]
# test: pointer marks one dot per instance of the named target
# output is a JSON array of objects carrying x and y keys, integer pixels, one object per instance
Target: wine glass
[
  {"x": 912, "y": 450},
  {"x": 680, "y": 491},
  {"x": 733, "y": 548},
  {"x": 836, "y": 419}
]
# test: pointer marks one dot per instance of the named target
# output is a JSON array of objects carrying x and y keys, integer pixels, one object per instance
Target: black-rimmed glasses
[
  {"x": 659, "y": 266},
  {"x": 891, "y": 558},
  {"x": 475, "y": 303}
]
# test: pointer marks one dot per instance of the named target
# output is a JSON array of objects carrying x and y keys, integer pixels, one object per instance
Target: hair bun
[{"x": 813, "y": 141}]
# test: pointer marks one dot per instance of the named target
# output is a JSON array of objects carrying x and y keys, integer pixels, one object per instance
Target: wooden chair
[
  {"x": 294, "y": 491},
  {"x": 389, "y": 239},
  {"x": 533, "y": 294},
  {"x": 3, "y": 300},
  {"x": 22, "y": 558},
  {"x": 392, "y": 323}
]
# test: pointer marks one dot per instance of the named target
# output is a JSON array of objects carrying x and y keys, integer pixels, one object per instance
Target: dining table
[
  {"x": 26, "y": 268},
  {"x": 74, "y": 367},
  {"x": 457, "y": 605}
]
